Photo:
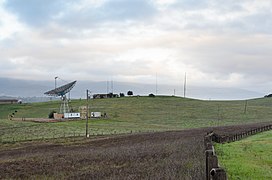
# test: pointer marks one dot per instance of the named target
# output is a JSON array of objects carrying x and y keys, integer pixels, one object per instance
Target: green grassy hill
[{"x": 135, "y": 114}]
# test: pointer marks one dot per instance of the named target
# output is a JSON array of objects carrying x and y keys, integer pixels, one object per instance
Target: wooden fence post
[
  {"x": 211, "y": 162},
  {"x": 218, "y": 174},
  {"x": 213, "y": 171},
  {"x": 208, "y": 146},
  {"x": 207, "y": 154},
  {"x": 206, "y": 141}
]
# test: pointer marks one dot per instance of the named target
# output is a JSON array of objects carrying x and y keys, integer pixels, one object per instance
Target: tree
[
  {"x": 51, "y": 114},
  {"x": 151, "y": 95},
  {"x": 110, "y": 95},
  {"x": 122, "y": 95},
  {"x": 129, "y": 93}
]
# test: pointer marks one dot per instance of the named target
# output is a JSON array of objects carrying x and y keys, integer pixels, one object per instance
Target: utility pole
[
  {"x": 218, "y": 114},
  {"x": 245, "y": 111},
  {"x": 87, "y": 113}
]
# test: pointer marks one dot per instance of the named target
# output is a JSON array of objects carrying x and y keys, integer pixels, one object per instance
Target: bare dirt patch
[
  {"x": 43, "y": 120},
  {"x": 160, "y": 155}
]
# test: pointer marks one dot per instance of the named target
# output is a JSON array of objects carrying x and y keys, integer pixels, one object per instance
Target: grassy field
[
  {"x": 250, "y": 158},
  {"x": 133, "y": 114},
  {"x": 156, "y": 155}
]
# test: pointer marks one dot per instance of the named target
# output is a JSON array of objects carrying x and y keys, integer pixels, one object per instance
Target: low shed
[
  {"x": 9, "y": 101},
  {"x": 71, "y": 115}
]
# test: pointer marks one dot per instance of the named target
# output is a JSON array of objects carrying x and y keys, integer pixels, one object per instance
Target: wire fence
[
  {"x": 213, "y": 169},
  {"x": 37, "y": 132}
]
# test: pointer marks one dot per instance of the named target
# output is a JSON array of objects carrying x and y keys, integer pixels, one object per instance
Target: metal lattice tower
[{"x": 64, "y": 107}]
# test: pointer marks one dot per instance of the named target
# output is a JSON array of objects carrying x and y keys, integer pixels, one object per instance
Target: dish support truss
[{"x": 64, "y": 106}]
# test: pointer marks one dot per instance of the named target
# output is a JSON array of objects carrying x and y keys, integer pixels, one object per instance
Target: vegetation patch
[
  {"x": 131, "y": 115},
  {"x": 250, "y": 158}
]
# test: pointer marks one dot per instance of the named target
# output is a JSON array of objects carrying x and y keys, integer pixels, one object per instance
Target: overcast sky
[{"x": 218, "y": 43}]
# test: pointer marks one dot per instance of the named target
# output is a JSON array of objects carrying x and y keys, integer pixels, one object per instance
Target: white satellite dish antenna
[{"x": 62, "y": 91}]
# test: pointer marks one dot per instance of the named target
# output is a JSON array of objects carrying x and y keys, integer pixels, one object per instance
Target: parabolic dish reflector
[{"x": 62, "y": 90}]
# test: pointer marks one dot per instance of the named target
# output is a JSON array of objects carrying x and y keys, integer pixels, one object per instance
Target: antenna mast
[
  {"x": 107, "y": 86},
  {"x": 111, "y": 86},
  {"x": 156, "y": 84},
  {"x": 184, "y": 86}
]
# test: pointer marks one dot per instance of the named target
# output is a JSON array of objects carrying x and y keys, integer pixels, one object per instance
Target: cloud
[
  {"x": 35, "y": 12},
  {"x": 189, "y": 5},
  {"x": 108, "y": 13},
  {"x": 219, "y": 45},
  {"x": 126, "y": 10},
  {"x": 221, "y": 58},
  {"x": 211, "y": 17},
  {"x": 9, "y": 24}
]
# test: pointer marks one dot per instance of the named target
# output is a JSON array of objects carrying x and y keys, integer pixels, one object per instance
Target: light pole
[{"x": 56, "y": 82}]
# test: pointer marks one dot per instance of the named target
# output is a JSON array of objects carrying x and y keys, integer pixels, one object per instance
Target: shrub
[
  {"x": 151, "y": 95},
  {"x": 269, "y": 95},
  {"x": 51, "y": 114},
  {"x": 129, "y": 93}
]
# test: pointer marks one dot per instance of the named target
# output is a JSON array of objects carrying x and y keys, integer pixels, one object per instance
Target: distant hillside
[
  {"x": 22, "y": 88},
  {"x": 30, "y": 99},
  {"x": 26, "y": 88}
]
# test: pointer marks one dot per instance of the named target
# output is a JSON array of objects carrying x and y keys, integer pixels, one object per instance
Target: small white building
[
  {"x": 71, "y": 115},
  {"x": 95, "y": 114}
]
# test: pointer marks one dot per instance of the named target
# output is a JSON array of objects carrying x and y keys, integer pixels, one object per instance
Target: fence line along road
[{"x": 213, "y": 169}]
